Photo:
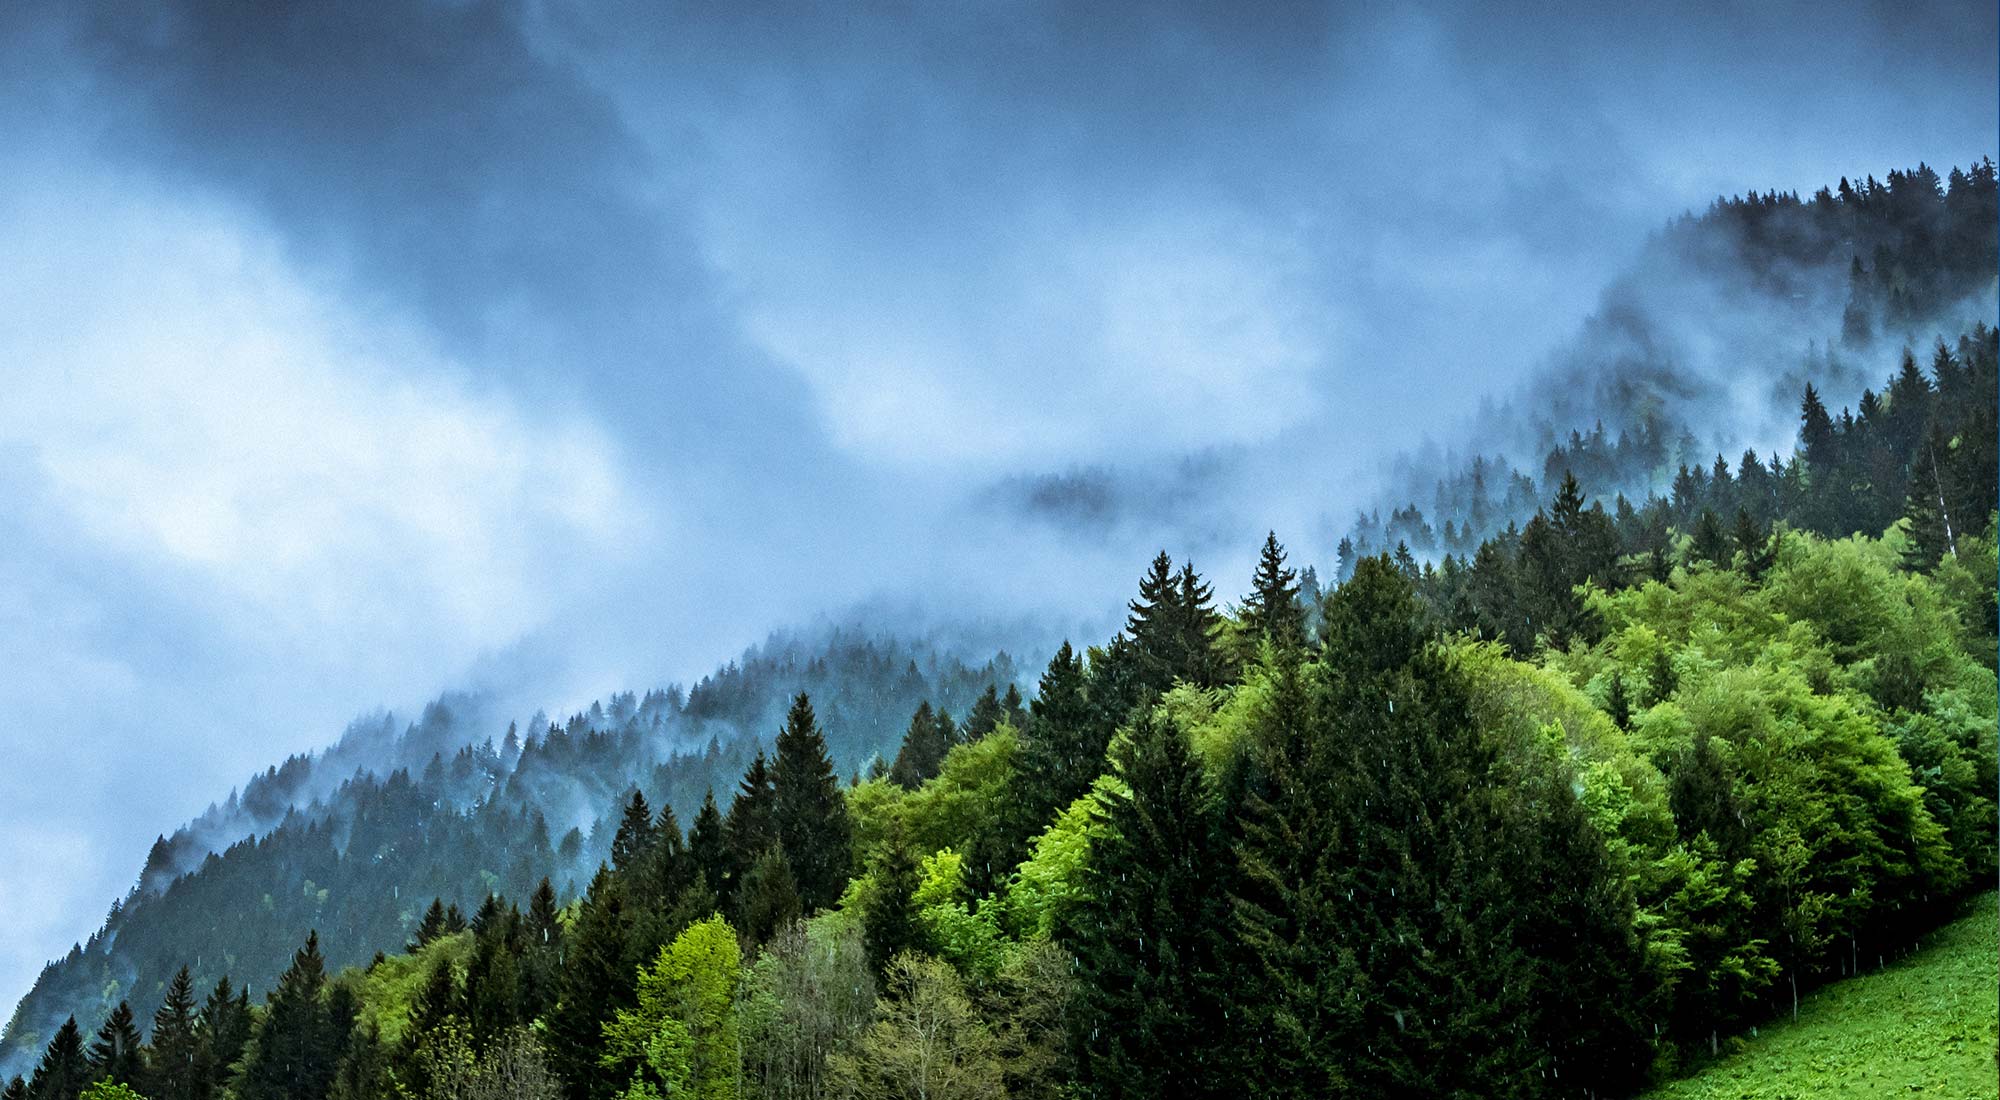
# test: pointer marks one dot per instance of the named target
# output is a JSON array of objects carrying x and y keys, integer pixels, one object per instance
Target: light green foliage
[
  {"x": 970, "y": 941},
  {"x": 1050, "y": 880},
  {"x": 1921, "y": 1026},
  {"x": 1786, "y": 719},
  {"x": 952, "y": 810},
  {"x": 389, "y": 989},
  {"x": 107, "y": 1090},
  {"x": 1532, "y": 709},
  {"x": 1886, "y": 624},
  {"x": 681, "y": 1038}
]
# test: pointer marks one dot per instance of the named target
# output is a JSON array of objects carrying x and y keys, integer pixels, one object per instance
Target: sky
[{"x": 354, "y": 352}]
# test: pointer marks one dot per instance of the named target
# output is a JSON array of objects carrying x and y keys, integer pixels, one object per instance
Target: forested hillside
[
  {"x": 1552, "y": 808},
  {"x": 1719, "y": 325},
  {"x": 357, "y": 841}
]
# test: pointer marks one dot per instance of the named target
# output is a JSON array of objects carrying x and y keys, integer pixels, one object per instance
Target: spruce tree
[
  {"x": 295, "y": 1050},
  {"x": 809, "y": 812},
  {"x": 707, "y": 847},
  {"x": 596, "y": 981},
  {"x": 986, "y": 714},
  {"x": 635, "y": 833},
  {"x": 174, "y": 1061},
  {"x": 1272, "y": 611},
  {"x": 64, "y": 1069},
  {"x": 429, "y": 928},
  {"x": 1011, "y": 704},
  {"x": 1154, "y": 624},
  {"x": 1709, "y": 543},
  {"x": 117, "y": 1055},
  {"x": 751, "y": 827},
  {"x": 1757, "y": 547},
  {"x": 1151, "y": 929},
  {"x": 225, "y": 1032},
  {"x": 922, "y": 752},
  {"x": 1202, "y": 661},
  {"x": 17, "y": 1089}
]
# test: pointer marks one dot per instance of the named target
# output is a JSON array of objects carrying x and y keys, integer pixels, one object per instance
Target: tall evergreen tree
[
  {"x": 295, "y": 1049},
  {"x": 1150, "y": 931},
  {"x": 596, "y": 981},
  {"x": 752, "y": 825},
  {"x": 118, "y": 1055},
  {"x": 809, "y": 811},
  {"x": 1272, "y": 611},
  {"x": 635, "y": 835},
  {"x": 706, "y": 845},
  {"x": 64, "y": 1069},
  {"x": 429, "y": 928},
  {"x": 174, "y": 1063},
  {"x": 922, "y": 753},
  {"x": 889, "y": 924},
  {"x": 225, "y": 1032},
  {"x": 986, "y": 714},
  {"x": 1154, "y": 624}
]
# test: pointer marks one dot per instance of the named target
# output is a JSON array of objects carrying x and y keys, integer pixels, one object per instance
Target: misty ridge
[
  {"x": 1703, "y": 349},
  {"x": 1706, "y": 343}
]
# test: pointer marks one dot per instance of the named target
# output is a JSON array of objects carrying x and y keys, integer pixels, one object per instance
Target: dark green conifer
[
  {"x": 64, "y": 1069},
  {"x": 295, "y": 1049},
  {"x": 174, "y": 1060},
  {"x": 1150, "y": 932},
  {"x": 117, "y": 1055},
  {"x": 809, "y": 812},
  {"x": 1272, "y": 612}
]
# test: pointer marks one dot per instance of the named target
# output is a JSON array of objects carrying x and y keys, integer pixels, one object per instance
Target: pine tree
[
  {"x": 118, "y": 1055},
  {"x": 225, "y": 1032},
  {"x": 437, "y": 1002},
  {"x": 1272, "y": 612},
  {"x": 1150, "y": 931},
  {"x": 922, "y": 753},
  {"x": 706, "y": 845},
  {"x": 64, "y": 1069},
  {"x": 809, "y": 812},
  {"x": 429, "y": 928},
  {"x": 174, "y": 1065},
  {"x": 594, "y": 984},
  {"x": 1154, "y": 624},
  {"x": 1710, "y": 544},
  {"x": 1816, "y": 433},
  {"x": 1759, "y": 552},
  {"x": 1202, "y": 661},
  {"x": 635, "y": 835},
  {"x": 986, "y": 714},
  {"x": 751, "y": 827},
  {"x": 17, "y": 1089},
  {"x": 1060, "y": 750},
  {"x": 295, "y": 1050},
  {"x": 1016, "y": 711}
]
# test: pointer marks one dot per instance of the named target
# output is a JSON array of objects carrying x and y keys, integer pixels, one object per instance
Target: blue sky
[{"x": 355, "y": 352}]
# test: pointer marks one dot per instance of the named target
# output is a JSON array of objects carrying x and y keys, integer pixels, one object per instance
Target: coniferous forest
[{"x": 1554, "y": 790}]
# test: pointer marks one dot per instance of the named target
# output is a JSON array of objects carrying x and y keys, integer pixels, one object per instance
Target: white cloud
[{"x": 189, "y": 397}]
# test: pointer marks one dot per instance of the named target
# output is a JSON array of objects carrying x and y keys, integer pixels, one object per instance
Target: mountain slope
[
  {"x": 1922, "y": 1025},
  {"x": 357, "y": 841}
]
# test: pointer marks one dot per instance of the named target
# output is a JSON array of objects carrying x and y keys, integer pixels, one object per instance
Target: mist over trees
[{"x": 1555, "y": 804}]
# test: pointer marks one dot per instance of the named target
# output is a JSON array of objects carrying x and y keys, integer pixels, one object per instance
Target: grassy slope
[{"x": 1924, "y": 1026}]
